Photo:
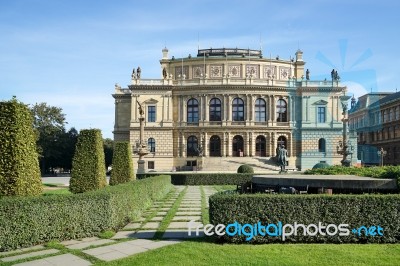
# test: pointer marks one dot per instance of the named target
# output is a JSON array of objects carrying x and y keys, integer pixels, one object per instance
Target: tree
[
  {"x": 19, "y": 166},
  {"x": 49, "y": 122},
  {"x": 88, "y": 167},
  {"x": 108, "y": 151},
  {"x": 67, "y": 147},
  {"x": 122, "y": 163}
]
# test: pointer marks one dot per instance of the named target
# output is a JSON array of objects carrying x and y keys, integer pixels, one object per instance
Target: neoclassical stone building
[
  {"x": 232, "y": 106},
  {"x": 376, "y": 119}
]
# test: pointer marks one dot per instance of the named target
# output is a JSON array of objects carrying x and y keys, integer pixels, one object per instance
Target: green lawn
[
  {"x": 203, "y": 253},
  {"x": 56, "y": 191}
]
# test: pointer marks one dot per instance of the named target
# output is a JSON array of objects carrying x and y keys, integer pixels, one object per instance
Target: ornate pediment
[
  {"x": 151, "y": 101},
  {"x": 320, "y": 102}
]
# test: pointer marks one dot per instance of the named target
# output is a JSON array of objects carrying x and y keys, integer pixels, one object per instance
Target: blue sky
[{"x": 71, "y": 53}]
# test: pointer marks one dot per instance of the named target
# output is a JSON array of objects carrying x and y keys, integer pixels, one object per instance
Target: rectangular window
[
  {"x": 151, "y": 114},
  {"x": 150, "y": 165},
  {"x": 321, "y": 114}
]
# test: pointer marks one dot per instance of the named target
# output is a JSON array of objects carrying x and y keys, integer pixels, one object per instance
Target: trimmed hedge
[
  {"x": 122, "y": 171},
  {"x": 355, "y": 210},
  {"x": 245, "y": 169},
  {"x": 88, "y": 165},
  {"x": 27, "y": 221},
  {"x": 19, "y": 165},
  {"x": 198, "y": 179}
]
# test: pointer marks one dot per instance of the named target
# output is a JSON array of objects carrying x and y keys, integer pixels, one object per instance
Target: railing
[{"x": 231, "y": 81}]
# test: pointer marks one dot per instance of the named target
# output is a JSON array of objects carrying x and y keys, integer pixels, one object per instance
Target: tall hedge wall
[
  {"x": 19, "y": 166},
  {"x": 122, "y": 171},
  {"x": 355, "y": 210},
  {"x": 197, "y": 179},
  {"x": 88, "y": 166},
  {"x": 26, "y": 221}
]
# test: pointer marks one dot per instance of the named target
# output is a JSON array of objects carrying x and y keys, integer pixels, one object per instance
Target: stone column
[
  {"x": 184, "y": 109},
  {"x": 206, "y": 147},
  {"x": 169, "y": 107},
  {"x": 223, "y": 144},
  {"x": 251, "y": 144},
  {"x": 183, "y": 138},
  {"x": 273, "y": 105},
  {"x": 229, "y": 148},
  {"x": 269, "y": 106},
  {"x": 163, "y": 108},
  {"x": 228, "y": 108},
  {"x": 247, "y": 145},
  {"x": 206, "y": 108},
  {"x": 116, "y": 113}
]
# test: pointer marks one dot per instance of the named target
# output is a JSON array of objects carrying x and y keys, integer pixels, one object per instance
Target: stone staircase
[{"x": 231, "y": 164}]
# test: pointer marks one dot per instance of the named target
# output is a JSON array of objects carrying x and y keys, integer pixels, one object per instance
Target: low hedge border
[
  {"x": 198, "y": 179},
  {"x": 355, "y": 210},
  {"x": 27, "y": 221}
]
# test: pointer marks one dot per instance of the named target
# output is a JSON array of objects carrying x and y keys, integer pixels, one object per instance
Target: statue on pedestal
[{"x": 282, "y": 155}]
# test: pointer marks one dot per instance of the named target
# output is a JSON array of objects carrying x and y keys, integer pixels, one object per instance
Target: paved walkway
[{"x": 155, "y": 229}]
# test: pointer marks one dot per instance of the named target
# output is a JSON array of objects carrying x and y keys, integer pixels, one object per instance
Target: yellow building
[{"x": 225, "y": 107}]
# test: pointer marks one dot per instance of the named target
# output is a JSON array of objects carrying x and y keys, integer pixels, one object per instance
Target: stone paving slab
[
  {"x": 126, "y": 249},
  {"x": 6, "y": 253},
  {"x": 134, "y": 234},
  {"x": 30, "y": 255},
  {"x": 182, "y": 225},
  {"x": 157, "y": 219},
  {"x": 179, "y": 213},
  {"x": 151, "y": 225},
  {"x": 186, "y": 218},
  {"x": 183, "y": 209},
  {"x": 90, "y": 243},
  {"x": 132, "y": 226},
  {"x": 181, "y": 234},
  {"x": 161, "y": 213},
  {"x": 60, "y": 260}
]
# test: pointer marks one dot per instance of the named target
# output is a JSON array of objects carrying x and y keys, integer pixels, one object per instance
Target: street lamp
[{"x": 382, "y": 153}]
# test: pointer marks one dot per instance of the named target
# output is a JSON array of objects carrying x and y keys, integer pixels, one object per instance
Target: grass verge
[{"x": 201, "y": 253}]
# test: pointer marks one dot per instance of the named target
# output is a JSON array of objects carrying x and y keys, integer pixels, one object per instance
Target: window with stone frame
[
  {"x": 281, "y": 110},
  {"x": 321, "y": 114},
  {"x": 237, "y": 110},
  {"x": 151, "y": 113},
  {"x": 260, "y": 110},
  {"x": 192, "y": 111},
  {"x": 151, "y": 144},
  {"x": 215, "y": 109}
]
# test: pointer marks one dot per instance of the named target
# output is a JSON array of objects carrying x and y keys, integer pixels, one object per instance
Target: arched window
[
  {"x": 237, "y": 109},
  {"x": 192, "y": 111},
  {"x": 215, "y": 146},
  {"x": 237, "y": 146},
  {"x": 151, "y": 143},
  {"x": 260, "y": 110},
  {"x": 281, "y": 110},
  {"x": 215, "y": 109},
  {"x": 321, "y": 145},
  {"x": 192, "y": 146}
]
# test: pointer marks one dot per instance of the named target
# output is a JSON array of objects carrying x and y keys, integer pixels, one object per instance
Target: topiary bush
[
  {"x": 245, "y": 169},
  {"x": 88, "y": 167},
  {"x": 321, "y": 165},
  {"x": 19, "y": 165},
  {"x": 122, "y": 163}
]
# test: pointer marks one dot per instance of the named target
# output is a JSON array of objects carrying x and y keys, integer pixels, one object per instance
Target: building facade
[
  {"x": 376, "y": 119},
  {"x": 227, "y": 106}
]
